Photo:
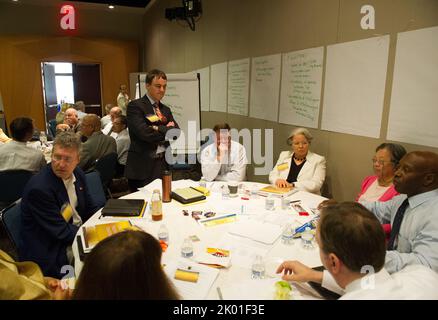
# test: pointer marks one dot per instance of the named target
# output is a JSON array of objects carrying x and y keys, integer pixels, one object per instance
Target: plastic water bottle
[
  {"x": 43, "y": 139},
  {"x": 163, "y": 234},
  {"x": 269, "y": 203},
  {"x": 307, "y": 238},
  {"x": 157, "y": 211},
  {"x": 258, "y": 268},
  {"x": 225, "y": 193},
  {"x": 187, "y": 248},
  {"x": 287, "y": 235}
]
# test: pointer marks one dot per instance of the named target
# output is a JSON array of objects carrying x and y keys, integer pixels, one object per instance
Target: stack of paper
[
  {"x": 259, "y": 231},
  {"x": 191, "y": 288}
]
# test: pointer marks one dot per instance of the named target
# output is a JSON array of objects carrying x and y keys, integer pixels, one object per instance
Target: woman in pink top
[{"x": 379, "y": 187}]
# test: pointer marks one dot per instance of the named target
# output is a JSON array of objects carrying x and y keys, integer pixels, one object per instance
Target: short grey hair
[
  {"x": 306, "y": 133},
  {"x": 67, "y": 139}
]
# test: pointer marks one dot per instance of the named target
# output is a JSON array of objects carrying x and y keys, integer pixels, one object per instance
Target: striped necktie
[
  {"x": 396, "y": 224},
  {"x": 163, "y": 119}
]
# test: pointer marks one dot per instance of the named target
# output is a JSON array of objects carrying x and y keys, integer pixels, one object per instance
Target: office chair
[
  {"x": 106, "y": 166},
  {"x": 94, "y": 184},
  {"x": 12, "y": 183},
  {"x": 52, "y": 127},
  {"x": 11, "y": 226}
]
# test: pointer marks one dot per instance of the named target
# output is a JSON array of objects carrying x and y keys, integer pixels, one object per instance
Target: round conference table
[{"x": 255, "y": 231}]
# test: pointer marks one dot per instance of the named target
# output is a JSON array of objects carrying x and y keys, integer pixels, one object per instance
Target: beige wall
[{"x": 230, "y": 30}]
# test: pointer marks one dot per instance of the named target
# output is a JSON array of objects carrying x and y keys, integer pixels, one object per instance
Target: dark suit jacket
[
  {"x": 46, "y": 234},
  {"x": 96, "y": 146},
  {"x": 144, "y": 139}
]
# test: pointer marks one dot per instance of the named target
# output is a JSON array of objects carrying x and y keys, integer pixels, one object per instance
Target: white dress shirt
[
  {"x": 106, "y": 130},
  {"x": 232, "y": 170},
  {"x": 123, "y": 142},
  {"x": 311, "y": 176},
  {"x": 418, "y": 237},
  {"x": 16, "y": 155},
  {"x": 412, "y": 282},
  {"x": 73, "y": 198}
]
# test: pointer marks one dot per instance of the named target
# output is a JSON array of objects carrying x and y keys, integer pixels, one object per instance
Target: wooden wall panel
[{"x": 20, "y": 68}]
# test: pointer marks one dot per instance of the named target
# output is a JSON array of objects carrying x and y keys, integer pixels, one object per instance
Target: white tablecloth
[{"x": 235, "y": 282}]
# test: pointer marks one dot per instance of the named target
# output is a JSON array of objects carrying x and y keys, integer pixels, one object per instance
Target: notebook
[
  {"x": 94, "y": 234},
  {"x": 187, "y": 195},
  {"x": 124, "y": 208},
  {"x": 277, "y": 192}
]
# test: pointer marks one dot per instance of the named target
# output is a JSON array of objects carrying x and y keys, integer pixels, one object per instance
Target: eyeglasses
[
  {"x": 300, "y": 143},
  {"x": 380, "y": 162},
  {"x": 58, "y": 158}
]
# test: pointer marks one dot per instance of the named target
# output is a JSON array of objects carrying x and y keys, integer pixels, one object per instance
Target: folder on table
[{"x": 187, "y": 195}]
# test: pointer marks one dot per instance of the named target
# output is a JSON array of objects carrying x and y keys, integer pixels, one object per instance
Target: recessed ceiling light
[{"x": 111, "y": 6}]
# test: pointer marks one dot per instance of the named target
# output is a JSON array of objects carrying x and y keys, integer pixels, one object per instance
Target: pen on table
[
  {"x": 219, "y": 293},
  {"x": 295, "y": 201}
]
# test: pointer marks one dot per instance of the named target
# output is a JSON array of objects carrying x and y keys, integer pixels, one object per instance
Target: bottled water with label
[
  {"x": 287, "y": 235},
  {"x": 187, "y": 248},
  {"x": 225, "y": 193},
  {"x": 43, "y": 139},
  {"x": 307, "y": 238},
  {"x": 163, "y": 234},
  {"x": 269, "y": 203},
  {"x": 258, "y": 268}
]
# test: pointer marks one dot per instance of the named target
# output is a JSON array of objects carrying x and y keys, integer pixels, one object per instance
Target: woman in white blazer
[{"x": 299, "y": 168}]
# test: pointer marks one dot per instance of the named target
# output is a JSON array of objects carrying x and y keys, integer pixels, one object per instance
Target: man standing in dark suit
[
  {"x": 55, "y": 203},
  {"x": 148, "y": 122}
]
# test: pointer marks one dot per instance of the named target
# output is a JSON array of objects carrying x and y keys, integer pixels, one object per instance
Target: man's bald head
[
  {"x": 417, "y": 173},
  {"x": 115, "y": 112}
]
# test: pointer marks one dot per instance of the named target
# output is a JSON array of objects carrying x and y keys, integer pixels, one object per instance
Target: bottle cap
[{"x": 167, "y": 173}]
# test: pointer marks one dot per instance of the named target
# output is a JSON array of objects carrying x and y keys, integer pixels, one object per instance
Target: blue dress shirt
[{"x": 418, "y": 237}]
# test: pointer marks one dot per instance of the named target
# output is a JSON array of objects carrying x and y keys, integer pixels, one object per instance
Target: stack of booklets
[
  {"x": 277, "y": 192},
  {"x": 94, "y": 234},
  {"x": 187, "y": 195},
  {"x": 124, "y": 208}
]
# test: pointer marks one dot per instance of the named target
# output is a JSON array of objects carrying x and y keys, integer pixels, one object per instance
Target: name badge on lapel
[
  {"x": 282, "y": 166},
  {"x": 152, "y": 118}
]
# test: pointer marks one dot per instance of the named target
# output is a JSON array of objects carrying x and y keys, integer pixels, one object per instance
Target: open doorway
[{"x": 70, "y": 82}]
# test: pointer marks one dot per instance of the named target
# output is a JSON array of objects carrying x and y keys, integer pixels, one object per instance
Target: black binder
[{"x": 124, "y": 208}]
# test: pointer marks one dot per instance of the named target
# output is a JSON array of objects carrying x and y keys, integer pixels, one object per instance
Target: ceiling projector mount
[{"x": 191, "y": 10}]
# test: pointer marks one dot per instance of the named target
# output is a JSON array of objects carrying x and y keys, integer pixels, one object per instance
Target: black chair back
[
  {"x": 11, "y": 229},
  {"x": 106, "y": 166},
  {"x": 95, "y": 188},
  {"x": 52, "y": 127},
  {"x": 12, "y": 183}
]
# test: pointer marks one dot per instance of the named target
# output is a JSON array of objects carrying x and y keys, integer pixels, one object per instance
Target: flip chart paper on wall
[
  {"x": 218, "y": 83},
  {"x": 205, "y": 88},
  {"x": 414, "y": 113},
  {"x": 265, "y": 87},
  {"x": 355, "y": 85},
  {"x": 238, "y": 86},
  {"x": 300, "y": 96}
]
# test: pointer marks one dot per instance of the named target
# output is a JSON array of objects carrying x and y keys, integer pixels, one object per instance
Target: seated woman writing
[{"x": 299, "y": 168}]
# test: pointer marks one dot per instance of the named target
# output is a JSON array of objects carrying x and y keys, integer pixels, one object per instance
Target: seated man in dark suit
[
  {"x": 55, "y": 203},
  {"x": 97, "y": 144}
]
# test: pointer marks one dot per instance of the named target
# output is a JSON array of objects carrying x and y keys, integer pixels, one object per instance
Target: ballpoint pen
[{"x": 219, "y": 293}]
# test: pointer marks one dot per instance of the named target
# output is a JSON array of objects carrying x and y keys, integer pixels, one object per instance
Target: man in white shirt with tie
[{"x": 352, "y": 250}]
